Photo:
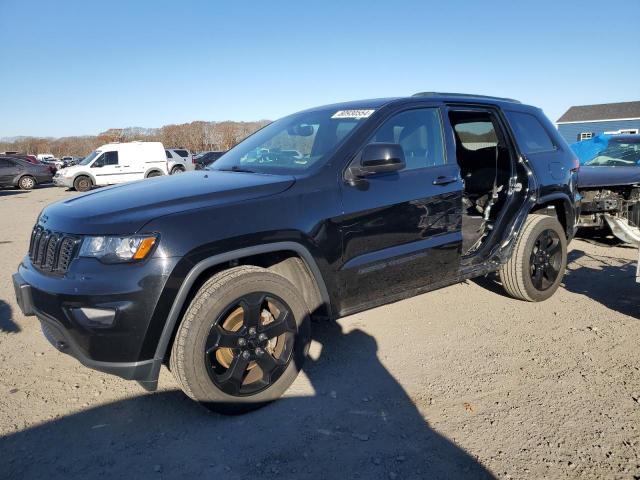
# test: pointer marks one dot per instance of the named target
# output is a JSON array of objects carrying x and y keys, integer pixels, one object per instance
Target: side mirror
[{"x": 378, "y": 158}]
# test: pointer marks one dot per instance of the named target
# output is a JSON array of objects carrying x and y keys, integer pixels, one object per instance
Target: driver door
[
  {"x": 107, "y": 170},
  {"x": 401, "y": 231}
]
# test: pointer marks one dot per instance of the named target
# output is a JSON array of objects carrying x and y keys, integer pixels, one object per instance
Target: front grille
[{"x": 52, "y": 251}]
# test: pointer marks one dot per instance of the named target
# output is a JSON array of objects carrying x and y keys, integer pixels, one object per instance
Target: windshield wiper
[{"x": 236, "y": 168}]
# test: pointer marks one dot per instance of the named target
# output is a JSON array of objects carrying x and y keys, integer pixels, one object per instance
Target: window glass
[
  {"x": 293, "y": 144},
  {"x": 3, "y": 163},
  {"x": 419, "y": 133},
  {"x": 619, "y": 153},
  {"x": 585, "y": 136},
  {"x": 476, "y": 134},
  {"x": 182, "y": 153},
  {"x": 107, "y": 158},
  {"x": 530, "y": 134},
  {"x": 111, "y": 158},
  {"x": 168, "y": 154}
]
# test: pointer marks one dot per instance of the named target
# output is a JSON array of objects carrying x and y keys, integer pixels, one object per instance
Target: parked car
[
  {"x": 54, "y": 163},
  {"x": 204, "y": 159},
  {"x": 609, "y": 183},
  {"x": 114, "y": 163},
  {"x": 218, "y": 273},
  {"x": 70, "y": 161},
  {"x": 18, "y": 172},
  {"x": 179, "y": 160}
]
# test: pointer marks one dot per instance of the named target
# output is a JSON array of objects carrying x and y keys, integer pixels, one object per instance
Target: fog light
[{"x": 94, "y": 317}]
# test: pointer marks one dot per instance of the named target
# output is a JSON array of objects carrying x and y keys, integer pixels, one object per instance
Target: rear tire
[
  {"x": 538, "y": 261},
  {"x": 155, "y": 173},
  {"x": 177, "y": 169},
  {"x": 27, "y": 182},
  {"x": 208, "y": 349},
  {"x": 82, "y": 183}
]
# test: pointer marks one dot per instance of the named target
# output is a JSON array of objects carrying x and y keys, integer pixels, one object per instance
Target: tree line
[{"x": 196, "y": 136}]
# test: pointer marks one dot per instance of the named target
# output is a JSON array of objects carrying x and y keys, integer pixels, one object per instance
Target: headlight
[{"x": 117, "y": 249}]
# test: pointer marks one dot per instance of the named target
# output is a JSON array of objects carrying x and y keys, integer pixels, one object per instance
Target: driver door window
[
  {"x": 107, "y": 158},
  {"x": 419, "y": 133}
]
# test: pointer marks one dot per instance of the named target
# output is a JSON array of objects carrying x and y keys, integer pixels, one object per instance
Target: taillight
[{"x": 576, "y": 164}]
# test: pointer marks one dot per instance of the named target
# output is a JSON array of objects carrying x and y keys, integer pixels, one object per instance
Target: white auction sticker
[{"x": 353, "y": 114}]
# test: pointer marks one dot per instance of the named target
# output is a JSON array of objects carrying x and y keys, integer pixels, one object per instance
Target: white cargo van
[{"x": 115, "y": 163}]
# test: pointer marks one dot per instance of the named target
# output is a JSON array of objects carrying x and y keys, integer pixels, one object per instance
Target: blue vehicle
[{"x": 609, "y": 183}]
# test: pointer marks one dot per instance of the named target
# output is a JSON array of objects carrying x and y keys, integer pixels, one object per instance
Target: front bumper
[
  {"x": 124, "y": 346},
  {"x": 60, "y": 181}
]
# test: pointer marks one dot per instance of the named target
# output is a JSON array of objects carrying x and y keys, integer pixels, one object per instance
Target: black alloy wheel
[
  {"x": 546, "y": 260},
  {"x": 251, "y": 344}
]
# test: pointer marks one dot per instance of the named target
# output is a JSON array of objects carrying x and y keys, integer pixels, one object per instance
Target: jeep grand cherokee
[{"x": 321, "y": 214}]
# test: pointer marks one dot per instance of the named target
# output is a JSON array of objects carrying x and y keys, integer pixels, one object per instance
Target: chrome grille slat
[
  {"x": 52, "y": 251},
  {"x": 42, "y": 245}
]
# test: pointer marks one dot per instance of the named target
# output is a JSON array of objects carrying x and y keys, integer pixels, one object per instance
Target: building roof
[{"x": 603, "y": 111}]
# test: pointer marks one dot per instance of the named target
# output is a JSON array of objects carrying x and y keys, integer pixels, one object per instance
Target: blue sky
[{"x": 80, "y": 67}]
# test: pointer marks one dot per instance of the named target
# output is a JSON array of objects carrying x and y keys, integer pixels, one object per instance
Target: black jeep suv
[{"x": 320, "y": 214}]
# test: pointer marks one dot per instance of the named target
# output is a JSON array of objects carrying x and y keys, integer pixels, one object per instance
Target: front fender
[{"x": 191, "y": 273}]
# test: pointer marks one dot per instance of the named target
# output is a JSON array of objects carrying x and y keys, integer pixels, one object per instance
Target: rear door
[
  {"x": 401, "y": 231},
  {"x": 7, "y": 171}
]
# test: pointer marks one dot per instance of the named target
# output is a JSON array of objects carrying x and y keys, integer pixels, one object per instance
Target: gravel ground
[{"x": 458, "y": 383}]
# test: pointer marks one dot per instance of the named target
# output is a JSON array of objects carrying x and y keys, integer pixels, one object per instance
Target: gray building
[{"x": 585, "y": 121}]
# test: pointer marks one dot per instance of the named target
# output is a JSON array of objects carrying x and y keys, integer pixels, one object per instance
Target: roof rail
[{"x": 463, "y": 95}]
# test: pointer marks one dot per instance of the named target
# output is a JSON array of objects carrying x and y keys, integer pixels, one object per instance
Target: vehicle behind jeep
[{"x": 321, "y": 214}]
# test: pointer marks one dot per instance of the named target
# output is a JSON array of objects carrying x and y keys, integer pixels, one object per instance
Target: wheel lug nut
[
  {"x": 246, "y": 355},
  {"x": 242, "y": 342},
  {"x": 262, "y": 337},
  {"x": 252, "y": 331},
  {"x": 259, "y": 351}
]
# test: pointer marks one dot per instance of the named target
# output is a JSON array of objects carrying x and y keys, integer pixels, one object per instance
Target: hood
[
  {"x": 124, "y": 209},
  {"x": 607, "y": 176},
  {"x": 70, "y": 170}
]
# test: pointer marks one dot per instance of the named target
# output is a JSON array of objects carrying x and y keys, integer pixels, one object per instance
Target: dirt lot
[{"x": 461, "y": 382}]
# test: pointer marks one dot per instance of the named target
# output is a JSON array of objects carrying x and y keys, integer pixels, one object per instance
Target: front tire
[
  {"x": 82, "y": 183},
  {"x": 242, "y": 341},
  {"x": 27, "y": 183},
  {"x": 538, "y": 261}
]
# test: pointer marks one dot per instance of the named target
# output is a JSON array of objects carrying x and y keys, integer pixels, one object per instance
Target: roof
[
  {"x": 376, "y": 103},
  {"x": 600, "y": 112},
  {"x": 463, "y": 96}
]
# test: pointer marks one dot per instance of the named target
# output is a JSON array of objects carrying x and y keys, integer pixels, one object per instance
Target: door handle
[{"x": 443, "y": 180}]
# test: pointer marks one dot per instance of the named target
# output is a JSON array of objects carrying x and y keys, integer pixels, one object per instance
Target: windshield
[
  {"x": 89, "y": 158},
  {"x": 618, "y": 154},
  {"x": 292, "y": 144}
]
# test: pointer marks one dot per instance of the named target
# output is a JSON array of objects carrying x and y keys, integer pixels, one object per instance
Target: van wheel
[
  {"x": 26, "y": 183},
  {"x": 177, "y": 169},
  {"x": 82, "y": 183},
  {"x": 155, "y": 173},
  {"x": 242, "y": 340},
  {"x": 537, "y": 264}
]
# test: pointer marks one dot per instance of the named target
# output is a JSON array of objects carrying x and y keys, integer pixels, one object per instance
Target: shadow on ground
[
  {"x": 608, "y": 280},
  {"x": 6, "y": 319},
  {"x": 7, "y": 192},
  {"x": 359, "y": 424}
]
